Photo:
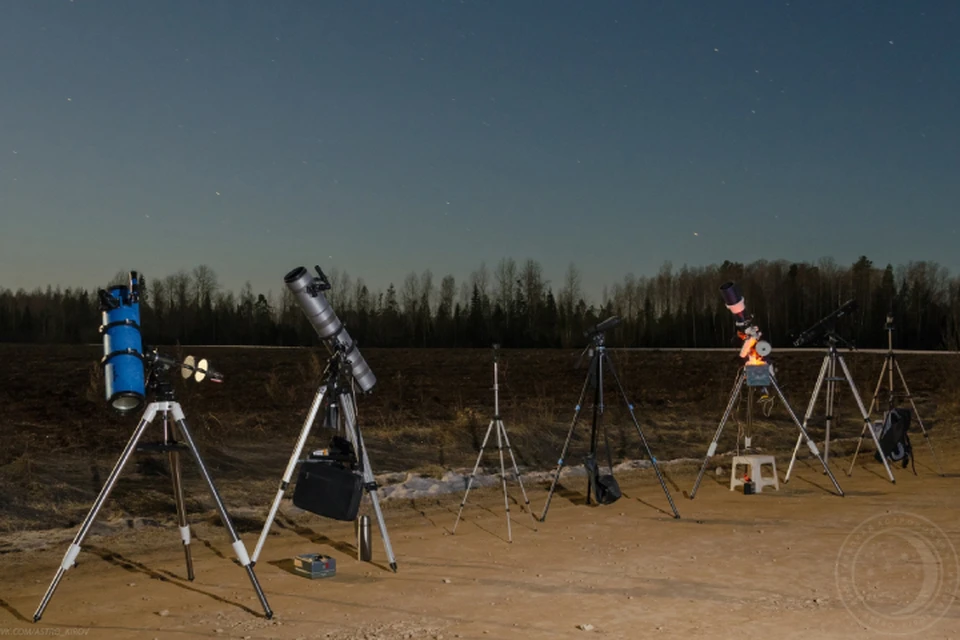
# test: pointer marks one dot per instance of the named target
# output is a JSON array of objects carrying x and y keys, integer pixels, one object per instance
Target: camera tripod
[
  {"x": 166, "y": 406},
  {"x": 760, "y": 375},
  {"x": 594, "y": 377},
  {"x": 502, "y": 439},
  {"x": 828, "y": 373},
  {"x": 335, "y": 396},
  {"x": 889, "y": 364}
]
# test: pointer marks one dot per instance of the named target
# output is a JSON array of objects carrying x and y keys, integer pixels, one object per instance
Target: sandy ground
[{"x": 799, "y": 562}]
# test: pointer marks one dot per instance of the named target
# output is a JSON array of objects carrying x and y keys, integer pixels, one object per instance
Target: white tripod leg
[
  {"x": 866, "y": 418},
  {"x": 806, "y": 418},
  {"x": 236, "y": 542},
  {"x": 503, "y": 480},
  {"x": 712, "y": 449},
  {"x": 291, "y": 465},
  {"x": 873, "y": 403},
  {"x": 472, "y": 475},
  {"x": 516, "y": 470},
  {"x": 70, "y": 558},
  {"x": 355, "y": 437},
  {"x": 803, "y": 433}
]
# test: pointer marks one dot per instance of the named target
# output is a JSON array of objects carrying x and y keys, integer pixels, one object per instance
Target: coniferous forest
[{"x": 514, "y": 305}]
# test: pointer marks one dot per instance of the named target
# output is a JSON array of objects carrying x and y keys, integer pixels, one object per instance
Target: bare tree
[
  {"x": 410, "y": 295},
  {"x": 204, "y": 285},
  {"x": 506, "y": 277},
  {"x": 448, "y": 289},
  {"x": 572, "y": 291},
  {"x": 533, "y": 284}
]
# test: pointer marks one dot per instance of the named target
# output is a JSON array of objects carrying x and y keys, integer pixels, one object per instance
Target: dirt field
[
  {"x": 799, "y": 562},
  {"x": 788, "y": 564}
]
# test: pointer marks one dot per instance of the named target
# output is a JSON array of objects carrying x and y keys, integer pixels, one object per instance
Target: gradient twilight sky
[{"x": 387, "y": 137}]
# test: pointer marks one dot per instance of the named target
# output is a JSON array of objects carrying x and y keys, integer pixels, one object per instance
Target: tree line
[{"x": 514, "y": 305}]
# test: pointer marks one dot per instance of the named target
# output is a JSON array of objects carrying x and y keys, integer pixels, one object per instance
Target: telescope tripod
[
  {"x": 502, "y": 439},
  {"x": 598, "y": 358},
  {"x": 331, "y": 395},
  {"x": 166, "y": 406},
  {"x": 828, "y": 374},
  {"x": 889, "y": 364},
  {"x": 764, "y": 377}
]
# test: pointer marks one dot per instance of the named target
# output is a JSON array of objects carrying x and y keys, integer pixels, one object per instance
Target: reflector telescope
[
  {"x": 308, "y": 291},
  {"x": 122, "y": 360}
]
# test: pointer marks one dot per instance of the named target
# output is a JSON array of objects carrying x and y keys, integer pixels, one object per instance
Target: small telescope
[
  {"x": 309, "y": 293},
  {"x": 602, "y": 327},
  {"x": 753, "y": 346},
  {"x": 825, "y": 325}
]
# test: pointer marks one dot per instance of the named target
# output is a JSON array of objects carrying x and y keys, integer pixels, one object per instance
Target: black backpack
[{"x": 894, "y": 437}]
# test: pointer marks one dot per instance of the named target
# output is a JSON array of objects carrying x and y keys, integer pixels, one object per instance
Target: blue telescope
[{"x": 122, "y": 361}]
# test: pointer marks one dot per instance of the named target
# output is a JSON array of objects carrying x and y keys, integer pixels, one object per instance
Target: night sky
[{"x": 387, "y": 137}]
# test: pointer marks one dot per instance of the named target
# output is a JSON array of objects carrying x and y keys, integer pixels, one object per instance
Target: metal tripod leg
[
  {"x": 712, "y": 450},
  {"x": 653, "y": 460},
  {"x": 866, "y": 417},
  {"x": 503, "y": 480},
  {"x": 516, "y": 469},
  {"x": 473, "y": 475},
  {"x": 174, "y": 457},
  {"x": 354, "y": 435},
  {"x": 69, "y": 559},
  {"x": 566, "y": 445},
  {"x": 806, "y": 418},
  {"x": 291, "y": 466},
  {"x": 810, "y": 443},
  {"x": 873, "y": 403},
  {"x": 831, "y": 399},
  {"x": 238, "y": 547},
  {"x": 501, "y": 432},
  {"x": 917, "y": 413}
]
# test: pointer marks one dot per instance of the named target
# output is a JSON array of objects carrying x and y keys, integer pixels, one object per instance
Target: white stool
[{"x": 755, "y": 463}]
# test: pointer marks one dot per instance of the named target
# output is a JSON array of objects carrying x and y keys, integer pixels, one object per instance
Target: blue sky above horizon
[{"x": 383, "y": 138}]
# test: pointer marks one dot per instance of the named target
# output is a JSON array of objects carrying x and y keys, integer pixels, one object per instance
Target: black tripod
[
  {"x": 594, "y": 378},
  {"x": 166, "y": 405}
]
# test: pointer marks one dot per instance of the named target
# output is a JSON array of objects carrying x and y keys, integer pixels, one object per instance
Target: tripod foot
[
  {"x": 393, "y": 565},
  {"x": 36, "y": 618}
]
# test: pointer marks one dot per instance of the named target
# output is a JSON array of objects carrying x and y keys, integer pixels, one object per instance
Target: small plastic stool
[{"x": 755, "y": 463}]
